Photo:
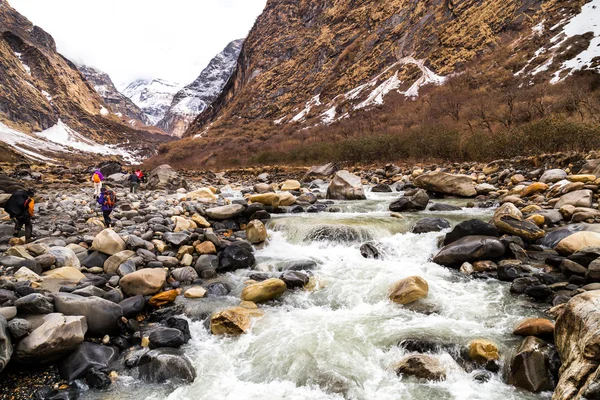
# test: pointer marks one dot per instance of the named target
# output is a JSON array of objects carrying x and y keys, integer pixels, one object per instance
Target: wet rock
[
  {"x": 185, "y": 274},
  {"x": 166, "y": 337},
  {"x": 444, "y": 207},
  {"x": 578, "y": 241},
  {"x": 538, "y": 292},
  {"x": 282, "y": 199},
  {"x": 256, "y": 232},
  {"x": 578, "y": 198},
  {"x": 164, "y": 364},
  {"x": 163, "y": 298},
  {"x": 235, "y": 257},
  {"x": 472, "y": 227},
  {"x": 295, "y": 279},
  {"x": 195, "y": 292},
  {"x": 482, "y": 351},
  {"x": 97, "y": 379},
  {"x": 421, "y": 366},
  {"x": 102, "y": 315},
  {"x": 513, "y": 226},
  {"x": 411, "y": 201},
  {"x": 540, "y": 327},
  {"x": 34, "y": 303},
  {"x": 233, "y": 320},
  {"x": 529, "y": 367},
  {"x": 217, "y": 289},
  {"x": 570, "y": 268},
  {"x": 469, "y": 249},
  {"x": 381, "y": 188},
  {"x": 176, "y": 239},
  {"x": 345, "y": 186},
  {"x": 442, "y": 182},
  {"x": 144, "y": 281},
  {"x": 206, "y": 265},
  {"x": 132, "y": 306},
  {"x": 426, "y": 225},
  {"x": 409, "y": 290},
  {"x": 181, "y": 325},
  {"x": 108, "y": 242},
  {"x": 264, "y": 291},
  {"x": 56, "y": 336},
  {"x": 88, "y": 355},
  {"x": 369, "y": 250}
]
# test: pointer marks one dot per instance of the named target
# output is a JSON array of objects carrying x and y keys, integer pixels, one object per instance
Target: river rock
[
  {"x": 290, "y": 184},
  {"x": 65, "y": 257},
  {"x": 165, "y": 177},
  {"x": 132, "y": 306},
  {"x": 56, "y": 336},
  {"x": 264, "y": 291},
  {"x": 345, "y": 186},
  {"x": 444, "y": 207},
  {"x": 534, "y": 188},
  {"x": 102, "y": 315},
  {"x": 6, "y": 348},
  {"x": 145, "y": 281},
  {"x": 481, "y": 351},
  {"x": 426, "y": 225},
  {"x": 442, "y": 182},
  {"x": 409, "y": 290},
  {"x": 166, "y": 337},
  {"x": 201, "y": 194},
  {"x": 578, "y": 198},
  {"x": 529, "y": 367},
  {"x": 185, "y": 274},
  {"x": 295, "y": 279},
  {"x": 225, "y": 212},
  {"x": 472, "y": 227},
  {"x": 88, "y": 355},
  {"x": 421, "y": 366},
  {"x": 65, "y": 274},
  {"x": 578, "y": 344},
  {"x": 470, "y": 249},
  {"x": 578, "y": 241},
  {"x": 525, "y": 229},
  {"x": 553, "y": 175},
  {"x": 233, "y": 320},
  {"x": 108, "y": 242},
  {"x": 256, "y": 232},
  {"x": 411, "y": 201},
  {"x": 235, "y": 257},
  {"x": 164, "y": 364},
  {"x": 535, "y": 327},
  {"x": 34, "y": 303},
  {"x": 195, "y": 292},
  {"x": 113, "y": 262},
  {"x": 282, "y": 199}
]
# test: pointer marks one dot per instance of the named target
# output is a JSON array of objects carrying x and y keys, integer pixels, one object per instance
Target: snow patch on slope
[{"x": 301, "y": 116}]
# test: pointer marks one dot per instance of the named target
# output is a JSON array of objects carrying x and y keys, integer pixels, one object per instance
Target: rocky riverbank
[{"x": 99, "y": 304}]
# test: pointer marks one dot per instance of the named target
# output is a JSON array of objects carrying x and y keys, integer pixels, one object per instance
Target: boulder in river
[
  {"x": 165, "y": 364},
  {"x": 421, "y": 366},
  {"x": 235, "y": 257},
  {"x": 233, "y": 320},
  {"x": 578, "y": 344},
  {"x": 88, "y": 355},
  {"x": 416, "y": 200},
  {"x": 529, "y": 367},
  {"x": 256, "y": 232},
  {"x": 513, "y": 226},
  {"x": 345, "y": 186},
  {"x": 471, "y": 227},
  {"x": 426, "y": 225},
  {"x": 482, "y": 351},
  {"x": 165, "y": 177},
  {"x": 264, "y": 291},
  {"x": 535, "y": 327},
  {"x": 409, "y": 290},
  {"x": 442, "y": 182},
  {"x": 470, "y": 249}
]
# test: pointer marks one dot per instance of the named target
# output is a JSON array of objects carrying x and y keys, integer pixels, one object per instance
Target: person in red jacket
[{"x": 20, "y": 207}]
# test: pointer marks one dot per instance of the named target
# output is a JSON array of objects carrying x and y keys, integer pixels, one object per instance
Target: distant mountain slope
[
  {"x": 193, "y": 99},
  {"x": 117, "y": 102},
  {"x": 44, "y": 97},
  {"x": 152, "y": 96}
]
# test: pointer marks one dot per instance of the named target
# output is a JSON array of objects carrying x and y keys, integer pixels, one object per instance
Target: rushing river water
[{"x": 339, "y": 342}]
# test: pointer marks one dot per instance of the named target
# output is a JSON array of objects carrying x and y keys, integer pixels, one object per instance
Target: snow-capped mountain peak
[{"x": 153, "y": 96}]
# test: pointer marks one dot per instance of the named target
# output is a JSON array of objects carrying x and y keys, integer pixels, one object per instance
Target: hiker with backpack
[
  {"x": 97, "y": 178},
  {"x": 20, "y": 207},
  {"x": 134, "y": 182},
  {"x": 108, "y": 200}
]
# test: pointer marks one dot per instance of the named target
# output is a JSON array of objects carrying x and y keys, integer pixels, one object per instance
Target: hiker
[
  {"x": 139, "y": 174},
  {"x": 134, "y": 182},
  {"x": 97, "y": 178},
  {"x": 20, "y": 207},
  {"x": 107, "y": 200}
]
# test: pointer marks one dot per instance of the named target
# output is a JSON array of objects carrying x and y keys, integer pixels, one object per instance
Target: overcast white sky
[{"x": 131, "y": 39}]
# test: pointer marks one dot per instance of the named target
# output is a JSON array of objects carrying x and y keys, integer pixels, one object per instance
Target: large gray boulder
[
  {"x": 225, "y": 212},
  {"x": 165, "y": 177},
  {"x": 529, "y": 367},
  {"x": 102, "y": 315},
  {"x": 442, "y": 182},
  {"x": 578, "y": 198},
  {"x": 88, "y": 355},
  {"x": 411, "y": 201},
  {"x": 6, "y": 348},
  {"x": 56, "y": 336},
  {"x": 345, "y": 186},
  {"x": 65, "y": 257},
  {"x": 553, "y": 175},
  {"x": 164, "y": 364},
  {"x": 469, "y": 249}
]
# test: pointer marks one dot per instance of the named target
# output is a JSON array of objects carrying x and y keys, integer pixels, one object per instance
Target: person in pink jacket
[{"x": 97, "y": 179}]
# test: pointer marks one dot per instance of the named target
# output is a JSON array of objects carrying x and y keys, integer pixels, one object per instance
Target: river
[{"x": 341, "y": 340}]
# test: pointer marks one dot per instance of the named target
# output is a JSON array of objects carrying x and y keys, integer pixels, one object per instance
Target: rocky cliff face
[
  {"x": 325, "y": 60},
  {"x": 42, "y": 91},
  {"x": 119, "y": 104},
  {"x": 153, "y": 96},
  {"x": 193, "y": 99}
]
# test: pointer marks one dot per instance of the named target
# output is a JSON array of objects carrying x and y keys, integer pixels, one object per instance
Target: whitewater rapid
[{"x": 339, "y": 342}]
